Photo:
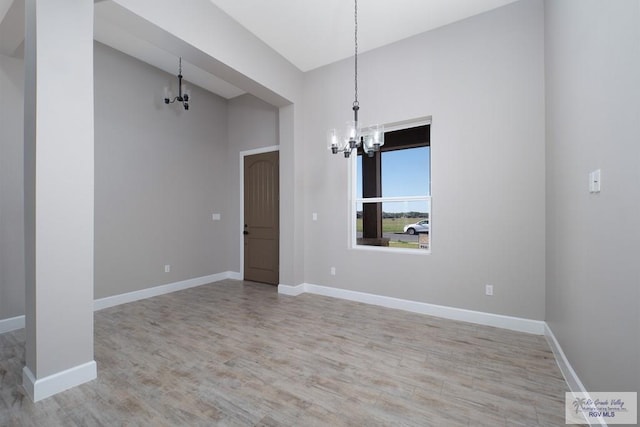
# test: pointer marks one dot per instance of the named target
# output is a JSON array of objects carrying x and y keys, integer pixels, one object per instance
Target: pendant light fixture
[
  {"x": 353, "y": 137},
  {"x": 183, "y": 94}
]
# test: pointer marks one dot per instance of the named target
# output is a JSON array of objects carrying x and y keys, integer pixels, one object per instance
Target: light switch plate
[
  {"x": 595, "y": 178},
  {"x": 215, "y": 217}
]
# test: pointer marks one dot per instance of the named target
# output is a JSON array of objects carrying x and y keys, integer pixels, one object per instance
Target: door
[{"x": 261, "y": 218}]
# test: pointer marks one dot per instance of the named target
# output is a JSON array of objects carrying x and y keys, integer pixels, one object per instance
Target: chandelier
[
  {"x": 352, "y": 137},
  {"x": 183, "y": 95}
]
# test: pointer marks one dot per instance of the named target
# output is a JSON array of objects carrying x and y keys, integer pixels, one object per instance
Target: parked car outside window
[{"x": 418, "y": 227}]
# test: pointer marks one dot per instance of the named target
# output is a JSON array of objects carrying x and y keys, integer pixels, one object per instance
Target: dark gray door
[{"x": 261, "y": 218}]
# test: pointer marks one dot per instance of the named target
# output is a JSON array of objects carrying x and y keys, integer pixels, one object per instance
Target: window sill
[{"x": 386, "y": 249}]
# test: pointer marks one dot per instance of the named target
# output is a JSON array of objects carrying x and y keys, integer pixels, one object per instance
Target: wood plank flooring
[{"x": 238, "y": 354}]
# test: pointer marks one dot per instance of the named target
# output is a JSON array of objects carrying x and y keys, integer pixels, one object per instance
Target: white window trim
[
  {"x": 354, "y": 200},
  {"x": 393, "y": 199}
]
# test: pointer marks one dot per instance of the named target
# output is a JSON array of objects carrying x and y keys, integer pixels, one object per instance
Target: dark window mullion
[{"x": 371, "y": 187}]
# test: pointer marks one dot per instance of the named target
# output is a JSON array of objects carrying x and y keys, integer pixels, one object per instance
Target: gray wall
[
  {"x": 482, "y": 81},
  {"x": 160, "y": 174},
  {"x": 11, "y": 187},
  {"x": 593, "y": 122},
  {"x": 252, "y": 124}
]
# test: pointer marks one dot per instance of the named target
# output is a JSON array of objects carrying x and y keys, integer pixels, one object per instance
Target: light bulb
[{"x": 333, "y": 141}]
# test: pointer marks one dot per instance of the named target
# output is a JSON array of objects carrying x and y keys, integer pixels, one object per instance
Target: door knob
[{"x": 245, "y": 232}]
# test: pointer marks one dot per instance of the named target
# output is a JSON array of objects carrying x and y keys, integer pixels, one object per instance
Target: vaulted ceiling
[
  {"x": 313, "y": 33},
  {"x": 308, "y": 33}
]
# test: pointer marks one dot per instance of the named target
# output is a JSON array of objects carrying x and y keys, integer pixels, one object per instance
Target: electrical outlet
[
  {"x": 488, "y": 290},
  {"x": 333, "y": 271},
  {"x": 167, "y": 268}
]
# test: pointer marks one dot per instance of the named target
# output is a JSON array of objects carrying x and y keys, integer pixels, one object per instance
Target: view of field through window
[{"x": 405, "y": 176}]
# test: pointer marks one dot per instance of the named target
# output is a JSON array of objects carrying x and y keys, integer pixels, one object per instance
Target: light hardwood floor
[{"x": 237, "y": 353}]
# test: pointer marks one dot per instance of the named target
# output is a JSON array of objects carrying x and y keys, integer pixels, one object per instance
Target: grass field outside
[
  {"x": 390, "y": 225},
  {"x": 395, "y": 226},
  {"x": 402, "y": 244}
]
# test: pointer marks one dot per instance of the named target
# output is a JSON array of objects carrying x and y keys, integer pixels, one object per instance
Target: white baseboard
[
  {"x": 234, "y": 275},
  {"x": 18, "y": 322},
  {"x": 112, "y": 301},
  {"x": 478, "y": 317},
  {"x": 570, "y": 376},
  {"x": 48, "y": 386},
  {"x": 11, "y": 324},
  {"x": 291, "y": 290}
]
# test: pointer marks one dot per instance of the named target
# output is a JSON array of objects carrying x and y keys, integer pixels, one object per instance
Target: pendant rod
[{"x": 356, "y": 104}]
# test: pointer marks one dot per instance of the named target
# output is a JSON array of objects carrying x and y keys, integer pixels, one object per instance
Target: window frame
[{"x": 354, "y": 200}]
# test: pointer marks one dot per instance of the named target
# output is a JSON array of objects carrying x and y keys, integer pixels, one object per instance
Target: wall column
[
  {"x": 58, "y": 195},
  {"x": 291, "y": 197}
]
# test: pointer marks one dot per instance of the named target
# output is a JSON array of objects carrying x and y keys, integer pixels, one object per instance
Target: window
[{"x": 391, "y": 201}]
